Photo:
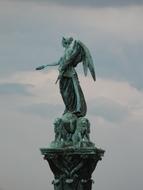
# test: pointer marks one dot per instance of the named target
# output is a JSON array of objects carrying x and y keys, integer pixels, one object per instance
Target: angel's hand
[{"x": 40, "y": 68}]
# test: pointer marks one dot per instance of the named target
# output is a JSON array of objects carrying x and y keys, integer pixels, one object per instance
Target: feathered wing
[{"x": 87, "y": 61}]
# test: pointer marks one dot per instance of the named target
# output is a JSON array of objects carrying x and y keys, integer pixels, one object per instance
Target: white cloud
[
  {"x": 25, "y": 133},
  {"x": 22, "y": 134},
  {"x": 124, "y": 23},
  {"x": 45, "y": 90}
]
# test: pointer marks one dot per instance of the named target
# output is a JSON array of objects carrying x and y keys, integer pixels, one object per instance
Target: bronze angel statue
[{"x": 75, "y": 52}]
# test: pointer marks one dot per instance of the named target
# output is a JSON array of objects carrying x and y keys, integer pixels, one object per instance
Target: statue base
[{"x": 72, "y": 167}]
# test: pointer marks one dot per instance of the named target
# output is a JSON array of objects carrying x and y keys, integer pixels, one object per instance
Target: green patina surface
[
  {"x": 71, "y": 92},
  {"x": 95, "y": 151},
  {"x": 72, "y": 156}
]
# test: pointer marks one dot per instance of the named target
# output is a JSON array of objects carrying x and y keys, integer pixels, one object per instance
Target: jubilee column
[{"x": 72, "y": 156}]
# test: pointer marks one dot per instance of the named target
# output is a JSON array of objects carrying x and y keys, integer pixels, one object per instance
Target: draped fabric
[
  {"x": 69, "y": 84},
  {"x": 72, "y": 95}
]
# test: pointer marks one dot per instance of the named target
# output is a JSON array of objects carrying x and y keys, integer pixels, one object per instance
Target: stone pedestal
[
  {"x": 72, "y": 156},
  {"x": 72, "y": 167}
]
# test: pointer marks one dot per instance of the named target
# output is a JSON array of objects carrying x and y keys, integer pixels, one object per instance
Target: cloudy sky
[{"x": 30, "y": 35}]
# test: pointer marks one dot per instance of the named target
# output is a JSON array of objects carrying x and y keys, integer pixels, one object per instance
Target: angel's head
[{"x": 66, "y": 41}]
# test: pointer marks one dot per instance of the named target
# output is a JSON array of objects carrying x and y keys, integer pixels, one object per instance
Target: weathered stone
[
  {"x": 72, "y": 156},
  {"x": 71, "y": 131},
  {"x": 72, "y": 168}
]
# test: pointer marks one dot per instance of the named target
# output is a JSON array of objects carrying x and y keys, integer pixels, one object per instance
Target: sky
[{"x": 30, "y": 36}]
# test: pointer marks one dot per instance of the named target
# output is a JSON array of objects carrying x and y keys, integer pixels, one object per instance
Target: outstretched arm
[{"x": 43, "y": 66}]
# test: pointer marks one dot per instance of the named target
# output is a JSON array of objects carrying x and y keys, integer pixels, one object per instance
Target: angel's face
[{"x": 66, "y": 42}]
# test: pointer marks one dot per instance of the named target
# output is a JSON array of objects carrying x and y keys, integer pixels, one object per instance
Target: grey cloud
[
  {"x": 21, "y": 161},
  {"x": 36, "y": 43},
  {"x": 14, "y": 88},
  {"x": 90, "y": 3},
  {"x": 126, "y": 66},
  {"x": 99, "y": 3},
  {"x": 108, "y": 109},
  {"x": 103, "y": 107},
  {"x": 43, "y": 110},
  {"x": 23, "y": 134}
]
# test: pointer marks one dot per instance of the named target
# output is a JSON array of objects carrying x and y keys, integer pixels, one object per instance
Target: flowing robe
[{"x": 69, "y": 84}]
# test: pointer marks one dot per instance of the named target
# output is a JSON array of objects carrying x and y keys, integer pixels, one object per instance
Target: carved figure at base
[
  {"x": 71, "y": 131},
  {"x": 81, "y": 136}
]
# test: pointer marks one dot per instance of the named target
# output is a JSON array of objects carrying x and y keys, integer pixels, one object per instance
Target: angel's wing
[{"x": 87, "y": 61}]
